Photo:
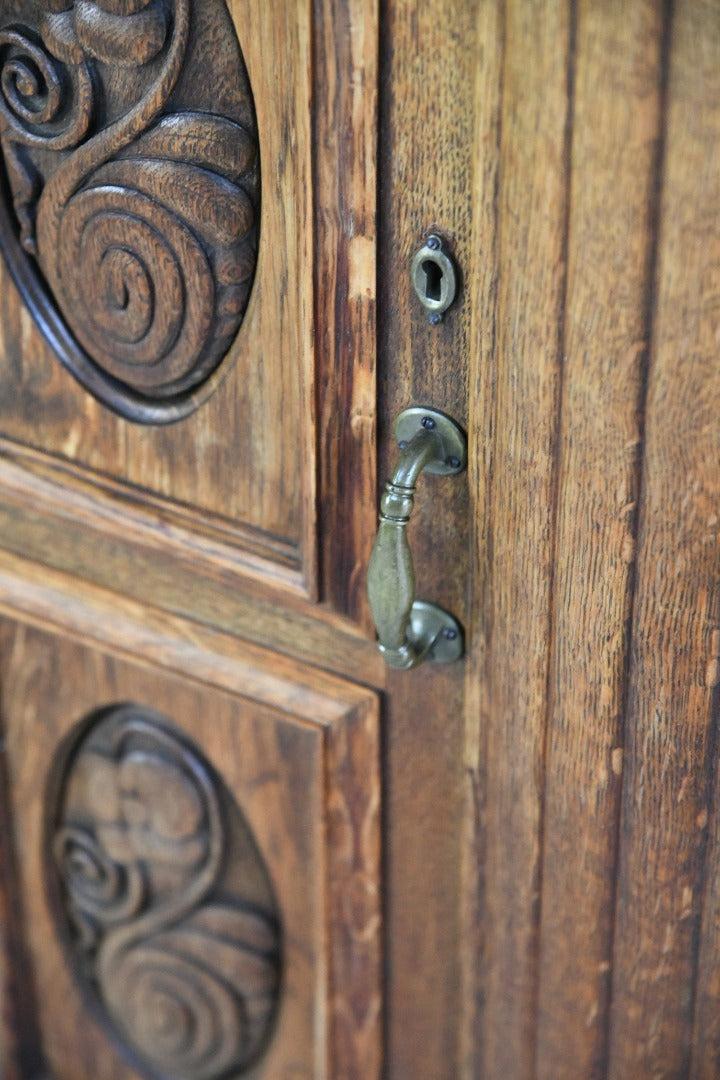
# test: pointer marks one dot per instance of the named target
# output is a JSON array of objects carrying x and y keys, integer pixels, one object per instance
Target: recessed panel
[
  {"x": 196, "y": 870},
  {"x": 131, "y": 202},
  {"x": 136, "y": 140},
  {"x": 163, "y": 896}
]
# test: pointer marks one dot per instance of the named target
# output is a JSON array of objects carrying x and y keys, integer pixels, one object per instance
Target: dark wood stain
[
  {"x": 551, "y": 841},
  {"x": 131, "y": 193}
]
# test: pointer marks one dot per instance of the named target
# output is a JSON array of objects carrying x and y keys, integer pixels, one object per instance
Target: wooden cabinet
[{"x": 233, "y": 843}]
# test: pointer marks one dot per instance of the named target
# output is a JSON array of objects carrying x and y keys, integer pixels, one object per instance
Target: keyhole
[{"x": 433, "y": 279}]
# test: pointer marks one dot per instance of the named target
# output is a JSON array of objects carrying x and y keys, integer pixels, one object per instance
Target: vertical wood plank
[
  {"x": 427, "y": 140},
  {"x": 482, "y": 361},
  {"x": 615, "y": 143},
  {"x": 531, "y": 253},
  {"x": 20, "y": 1053},
  {"x": 353, "y": 841},
  {"x": 702, "y": 93},
  {"x": 705, "y": 1050},
  {"x": 677, "y": 611},
  {"x": 346, "y": 73}
]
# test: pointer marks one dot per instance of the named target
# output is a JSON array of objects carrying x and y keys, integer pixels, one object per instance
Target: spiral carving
[
  {"x": 141, "y": 212},
  {"x": 31, "y": 90},
  {"x": 102, "y": 891},
  {"x": 35, "y": 88},
  {"x": 143, "y": 843}
]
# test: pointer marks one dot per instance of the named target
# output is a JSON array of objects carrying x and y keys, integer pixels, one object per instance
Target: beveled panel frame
[
  {"x": 323, "y": 790},
  {"x": 293, "y": 403}
]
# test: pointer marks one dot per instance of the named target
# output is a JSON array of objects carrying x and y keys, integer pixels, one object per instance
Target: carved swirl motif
[
  {"x": 189, "y": 980},
  {"x": 141, "y": 213}
]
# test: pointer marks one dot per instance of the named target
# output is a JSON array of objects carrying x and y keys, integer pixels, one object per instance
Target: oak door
[
  {"x": 505, "y": 867},
  {"x": 569, "y": 152}
]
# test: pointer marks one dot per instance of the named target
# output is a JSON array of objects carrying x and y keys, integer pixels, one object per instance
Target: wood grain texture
[
  {"x": 292, "y": 773},
  {"x": 705, "y": 1049},
  {"x": 578, "y": 740},
  {"x": 51, "y": 600},
  {"x": 695, "y": 239},
  {"x": 482, "y": 360},
  {"x": 532, "y": 209},
  {"x": 354, "y": 793},
  {"x": 247, "y": 456},
  {"x": 128, "y": 516},
  {"x": 346, "y": 74},
  {"x": 20, "y": 1051},
  {"x": 77, "y": 561},
  {"x": 614, "y": 167},
  {"x": 672, "y": 716},
  {"x": 425, "y": 161}
]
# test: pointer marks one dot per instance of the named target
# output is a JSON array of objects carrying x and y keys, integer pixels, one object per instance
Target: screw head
[
  {"x": 453, "y": 462},
  {"x": 403, "y": 444},
  {"x": 435, "y": 319},
  {"x": 433, "y": 242},
  {"x": 449, "y": 634},
  {"x": 428, "y": 423}
]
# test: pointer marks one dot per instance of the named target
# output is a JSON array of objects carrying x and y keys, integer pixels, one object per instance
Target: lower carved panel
[
  {"x": 190, "y": 897},
  {"x": 165, "y": 902}
]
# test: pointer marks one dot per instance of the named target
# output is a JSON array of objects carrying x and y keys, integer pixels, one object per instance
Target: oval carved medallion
[
  {"x": 129, "y": 216},
  {"x": 164, "y": 898}
]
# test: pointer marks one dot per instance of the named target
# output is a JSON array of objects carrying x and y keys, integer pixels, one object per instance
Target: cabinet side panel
[
  {"x": 671, "y": 719},
  {"x": 615, "y": 148},
  {"x": 531, "y": 246}
]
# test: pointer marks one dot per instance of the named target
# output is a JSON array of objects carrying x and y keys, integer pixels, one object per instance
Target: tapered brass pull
[{"x": 410, "y": 630}]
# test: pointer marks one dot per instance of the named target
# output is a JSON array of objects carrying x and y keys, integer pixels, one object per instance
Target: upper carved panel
[
  {"x": 132, "y": 189},
  {"x": 170, "y": 912}
]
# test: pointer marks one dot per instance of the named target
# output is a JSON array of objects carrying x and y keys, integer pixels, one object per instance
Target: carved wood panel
[
  {"x": 240, "y": 471},
  {"x": 164, "y": 897},
  {"x": 130, "y": 153},
  {"x": 263, "y": 480},
  {"x": 225, "y": 824}
]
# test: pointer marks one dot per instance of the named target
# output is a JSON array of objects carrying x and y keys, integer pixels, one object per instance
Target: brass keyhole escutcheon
[{"x": 434, "y": 278}]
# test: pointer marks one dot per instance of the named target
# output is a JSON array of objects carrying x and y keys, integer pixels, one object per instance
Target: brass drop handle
[{"x": 410, "y": 630}]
